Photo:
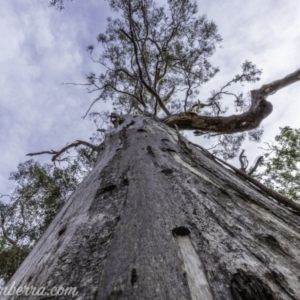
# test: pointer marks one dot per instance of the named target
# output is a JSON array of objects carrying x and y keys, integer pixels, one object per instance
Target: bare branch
[
  {"x": 95, "y": 100},
  {"x": 52, "y": 152},
  {"x": 187, "y": 94},
  {"x": 243, "y": 161},
  {"x": 56, "y": 154},
  {"x": 165, "y": 99},
  {"x": 257, "y": 162},
  {"x": 141, "y": 77},
  {"x": 128, "y": 94}
]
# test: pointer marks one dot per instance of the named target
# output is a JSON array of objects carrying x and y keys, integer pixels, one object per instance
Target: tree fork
[{"x": 152, "y": 221}]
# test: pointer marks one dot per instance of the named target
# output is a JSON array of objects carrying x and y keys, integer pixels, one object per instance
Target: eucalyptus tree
[
  {"x": 160, "y": 217},
  {"x": 155, "y": 61},
  {"x": 281, "y": 163}
]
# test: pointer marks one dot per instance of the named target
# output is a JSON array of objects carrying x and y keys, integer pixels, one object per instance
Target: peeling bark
[
  {"x": 156, "y": 220},
  {"x": 259, "y": 109}
]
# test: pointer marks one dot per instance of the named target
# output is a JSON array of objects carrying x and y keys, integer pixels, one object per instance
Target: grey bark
[{"x": 158, "y": 219}]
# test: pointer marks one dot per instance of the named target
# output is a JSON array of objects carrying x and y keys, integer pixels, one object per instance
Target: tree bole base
[{"x": 156, "y": 220}]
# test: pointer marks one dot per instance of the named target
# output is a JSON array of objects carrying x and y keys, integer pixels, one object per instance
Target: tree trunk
[{"x": 158, "y": 219}]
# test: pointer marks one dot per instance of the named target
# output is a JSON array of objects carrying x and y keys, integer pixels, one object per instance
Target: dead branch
[
  {"x": 243, "y": 161},
  {"x": 253, "y": 169},
  {"x": 56, "y": 154}
]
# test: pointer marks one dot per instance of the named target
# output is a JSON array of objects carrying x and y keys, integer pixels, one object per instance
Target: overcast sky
[{"x": 42, "y": 48}]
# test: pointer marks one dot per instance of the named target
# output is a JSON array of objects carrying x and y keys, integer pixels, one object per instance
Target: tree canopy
[
  {"x": 154, "y": 56},
  {"x": 155, "y": 60}
]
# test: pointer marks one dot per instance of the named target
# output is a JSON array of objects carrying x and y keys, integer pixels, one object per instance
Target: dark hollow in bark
[{"x": 156, "y": 220}]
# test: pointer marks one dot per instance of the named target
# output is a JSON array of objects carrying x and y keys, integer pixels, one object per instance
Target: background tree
[
  {"x": 281, "y": 163},
  {"x": 39, "y": 193}
]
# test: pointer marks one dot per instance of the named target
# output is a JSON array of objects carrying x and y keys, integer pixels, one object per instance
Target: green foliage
[
  {"x": 10, "y": 259},
  {"x": 40, "y": 191},
  {"x": 281, "y": 163}
]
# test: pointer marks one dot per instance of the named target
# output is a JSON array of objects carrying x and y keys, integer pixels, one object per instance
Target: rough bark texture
[{"x": 156, "y": 219}]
